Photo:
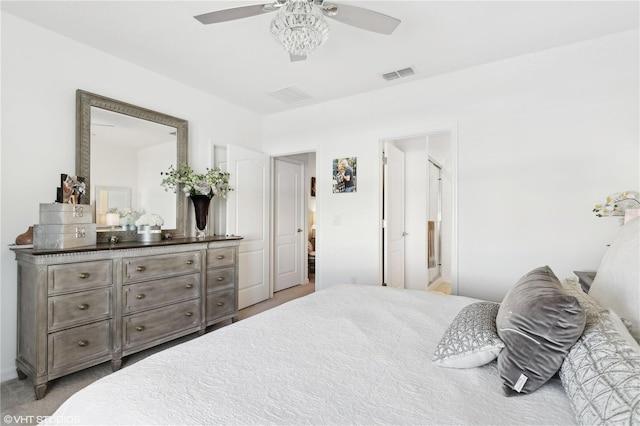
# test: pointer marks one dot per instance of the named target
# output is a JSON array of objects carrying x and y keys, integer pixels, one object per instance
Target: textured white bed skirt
[{"x": 350, "y": 354}]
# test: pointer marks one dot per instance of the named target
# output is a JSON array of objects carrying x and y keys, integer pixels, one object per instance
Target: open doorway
[
  {"x": 422, "y": 227},
  {"x": 252, "y": 216}
]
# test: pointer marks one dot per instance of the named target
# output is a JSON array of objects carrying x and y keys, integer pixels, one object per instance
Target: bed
[{"x": 354, "y": 354}]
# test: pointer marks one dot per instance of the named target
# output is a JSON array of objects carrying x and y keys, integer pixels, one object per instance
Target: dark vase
[{"x": 201, "y": 207}]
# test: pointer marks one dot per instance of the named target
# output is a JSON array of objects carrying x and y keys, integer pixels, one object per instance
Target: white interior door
[
  {"x": 248, "y": 217},
  {"x": 289, "y": 232},
  {"x": 394, "y": 230}
]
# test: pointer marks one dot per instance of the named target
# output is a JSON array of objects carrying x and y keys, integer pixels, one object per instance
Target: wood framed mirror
[{"x": 123, "y": 145}]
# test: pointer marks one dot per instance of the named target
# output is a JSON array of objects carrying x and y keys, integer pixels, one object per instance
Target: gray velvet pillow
[{"x": 538, "y": 323}]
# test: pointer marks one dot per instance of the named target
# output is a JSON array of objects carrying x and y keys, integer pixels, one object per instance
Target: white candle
[{"x": 113, "y": 219}]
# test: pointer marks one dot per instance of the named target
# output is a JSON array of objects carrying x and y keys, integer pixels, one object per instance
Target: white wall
[
  {"x": 151, "y": 197},
  {"x": 40, "y": 74},
  {"x": 541, "y": 138}
]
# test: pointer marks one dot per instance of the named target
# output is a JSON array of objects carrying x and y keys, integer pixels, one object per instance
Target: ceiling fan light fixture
[{"x": 300, "y": 27}]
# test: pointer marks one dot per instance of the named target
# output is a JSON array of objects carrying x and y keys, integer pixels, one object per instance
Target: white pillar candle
[{"x": 113, "y": 219}]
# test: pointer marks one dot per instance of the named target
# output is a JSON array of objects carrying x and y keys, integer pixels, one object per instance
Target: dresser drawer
[
  {"x": 221, "y": 304},
  {"x": 217, "y": 279},
  {"x": 153, "y": 325},
  {"x": 75, "y": 346},
  {"x": 151, "y": 267},
  {"x": 79, "y": 276},
  {"x": 150, "y": 294},
  {"x": 225, "y": 256},
  {"x": 79, "y": 308}
]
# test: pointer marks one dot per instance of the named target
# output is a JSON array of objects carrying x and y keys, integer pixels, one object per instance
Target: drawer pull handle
[
  {"x": 140, "y": 296},
  {"x": 189, "y": 262},
  {"x": 220, "y": 303},
  {"x": 189, "y": 286},
  {"x": 83, "y": 275},
  {"x": 220, "y": 257},
  {"x": 140, "y": 268},
  {"x": 140, "y": 327},
  {"x": 83, "y": 306},
  {"x": 220, "y": 278},
  {"x": 83, "y": 342},
  {"x": 189, "y": 314}
]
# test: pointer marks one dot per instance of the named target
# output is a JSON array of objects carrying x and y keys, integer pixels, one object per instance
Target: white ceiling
[{"x": 240, "y": 61}]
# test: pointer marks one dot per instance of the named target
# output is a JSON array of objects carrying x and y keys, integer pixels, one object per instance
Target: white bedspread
[{"x": 346, "y": 355}]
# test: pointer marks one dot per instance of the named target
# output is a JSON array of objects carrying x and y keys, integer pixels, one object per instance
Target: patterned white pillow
[
  {"x": 601, "y": 375},
  {"x": 472, "y": 339}
]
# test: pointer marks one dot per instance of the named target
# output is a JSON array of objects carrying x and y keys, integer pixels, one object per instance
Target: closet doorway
[{"x": 425, "y": 229}]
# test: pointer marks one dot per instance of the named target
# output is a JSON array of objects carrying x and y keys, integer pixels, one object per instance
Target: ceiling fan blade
[
  {"x": 362, "y": 18},
  {"x": 235, "y": 13},
  {"x": 297, "y": 58}
]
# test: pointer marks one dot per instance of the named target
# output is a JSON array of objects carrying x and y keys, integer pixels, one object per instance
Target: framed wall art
[{"x": 344, "y": 174}]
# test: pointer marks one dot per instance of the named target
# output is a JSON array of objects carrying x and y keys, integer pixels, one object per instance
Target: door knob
[{"x": 299, "y": 230}]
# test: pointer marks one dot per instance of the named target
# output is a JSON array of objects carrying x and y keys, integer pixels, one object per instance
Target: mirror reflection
[
  {"x": 122, "y": 148},
  {"x": 127, "y": 155},
  {"x": 111, "y": 202}
]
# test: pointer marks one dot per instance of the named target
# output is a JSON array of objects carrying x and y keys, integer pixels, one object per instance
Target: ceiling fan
[{"x": 300, "y": 25}]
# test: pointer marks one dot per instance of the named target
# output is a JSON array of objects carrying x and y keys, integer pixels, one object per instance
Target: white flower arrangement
[
  {"x": 617, "y": 203},
  {"x": 149, "y": 219},
  {"x": 128, "y": 216},
  {"x": 211, "y": 183}
]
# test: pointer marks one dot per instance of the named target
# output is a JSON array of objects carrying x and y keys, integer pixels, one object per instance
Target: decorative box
[
  {"x": 63, "y": 236},
  {"x": 63, "y": 214}
]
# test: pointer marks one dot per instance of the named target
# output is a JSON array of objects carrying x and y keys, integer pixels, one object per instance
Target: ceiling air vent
[
  {"x": 393, "y": 75},
  {"x": 290, "y": 95}
]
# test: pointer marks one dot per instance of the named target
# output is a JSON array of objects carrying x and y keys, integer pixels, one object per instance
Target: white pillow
[
  {"x": 622, "y": 329},
  {"x": 617, "y": 282},
  {"x": 601, "y": 375}
]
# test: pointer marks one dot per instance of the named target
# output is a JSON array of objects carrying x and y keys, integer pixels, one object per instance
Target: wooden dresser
[{"x": 81, "y": 307}]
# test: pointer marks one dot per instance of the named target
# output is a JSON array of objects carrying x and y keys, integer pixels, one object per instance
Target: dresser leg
[
  {"x": 40, "y": 390},
  {"x": 201, "y": 332},
  {"x": 116, "y": 364},
  {"x": 21, "y": 375}
]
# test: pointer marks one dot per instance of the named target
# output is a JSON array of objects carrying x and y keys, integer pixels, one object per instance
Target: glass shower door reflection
[{"x": 434, "y": 240}]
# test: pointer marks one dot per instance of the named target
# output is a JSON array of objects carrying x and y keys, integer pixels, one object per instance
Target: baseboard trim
[{"x": 8, "y": 374}]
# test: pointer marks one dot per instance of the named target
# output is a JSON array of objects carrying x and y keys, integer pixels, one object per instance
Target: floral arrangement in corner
[
  {"x": 211, "y": 183},
  {"x": 149, "y": 219},
  {"x": 612, "y": 206}
]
